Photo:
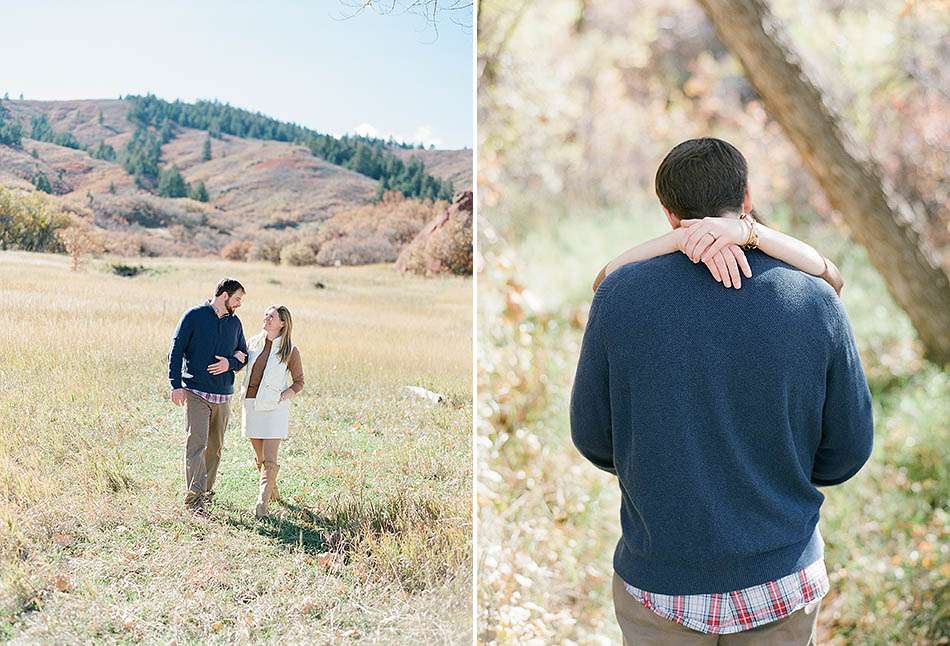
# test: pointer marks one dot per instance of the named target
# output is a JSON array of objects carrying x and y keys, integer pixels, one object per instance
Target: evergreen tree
[
  {"x": 35, "y": 153},
  {"x": 171, "y": 183},
  {"x": 199, "y": 192},
  {"x": 104, "y": 151},
  {"x": 166, "y": 132},
  {"x": 41, "y": 183},
  {"x": 369, "y": 156},
  {"x": 140, "y": 157},
  {"x": 42, "y": 131},
  {"x": 101, "y": 118},
  {"x": 11, "y": 133},
  {"x": 112, "y": 188},
  {"x": 206, "y": 152}
]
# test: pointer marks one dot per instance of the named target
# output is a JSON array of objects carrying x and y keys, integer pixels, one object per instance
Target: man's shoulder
[
  {"x": 640, "y": 274},
  {"x": 670, "y": 275},
  {"x": 196, "y": 310}
]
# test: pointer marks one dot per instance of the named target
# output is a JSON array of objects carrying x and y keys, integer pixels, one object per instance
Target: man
[
  {"x": 720, "y": 411},
  {"x": 206, "y": 351}
]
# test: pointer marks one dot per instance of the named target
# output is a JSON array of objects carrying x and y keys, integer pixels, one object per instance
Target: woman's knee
[{"x": 270, "y": 449}]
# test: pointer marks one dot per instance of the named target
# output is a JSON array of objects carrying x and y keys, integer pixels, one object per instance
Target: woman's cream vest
[{"x": 276, "y": 376}]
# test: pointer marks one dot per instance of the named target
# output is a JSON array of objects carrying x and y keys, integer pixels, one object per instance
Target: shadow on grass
[{"x": 303, "y": 528}]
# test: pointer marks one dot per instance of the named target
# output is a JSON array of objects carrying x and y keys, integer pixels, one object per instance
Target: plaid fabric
[
  {"x": 732, "y": 612},
  {"x": 211, "y": 398}
]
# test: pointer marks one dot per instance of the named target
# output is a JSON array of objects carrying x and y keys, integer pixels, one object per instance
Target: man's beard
[{"x": 227, "y": 306}]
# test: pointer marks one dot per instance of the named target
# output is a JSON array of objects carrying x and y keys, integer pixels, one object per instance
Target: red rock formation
[{"x": 445, "y": 244}]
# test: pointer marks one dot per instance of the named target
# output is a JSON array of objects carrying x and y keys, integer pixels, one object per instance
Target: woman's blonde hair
[{"x": 285, "y": 345}]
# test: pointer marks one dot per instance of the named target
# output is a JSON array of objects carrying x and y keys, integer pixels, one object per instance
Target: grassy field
[
  {"x": 373, "y": 542},
  {"x": 548, "y": 520}
]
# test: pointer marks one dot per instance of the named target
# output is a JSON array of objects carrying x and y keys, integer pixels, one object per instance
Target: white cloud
[
  {"x": 366, "y": 130},
  {"x": 422, "y": 134},
  {"x": 425, "y": 135}
]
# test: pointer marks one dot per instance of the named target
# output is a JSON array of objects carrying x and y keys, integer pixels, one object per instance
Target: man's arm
[
  {"x": 847, "y": 428},
  {"x": 180, "y": 342},
  {"x": 234, "y": 363},
  {"x": 590, "y": 397}
]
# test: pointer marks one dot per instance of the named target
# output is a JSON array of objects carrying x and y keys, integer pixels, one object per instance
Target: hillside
[
  {"x": 453, "y": 165},
  {"x": 253, "y": 185}
]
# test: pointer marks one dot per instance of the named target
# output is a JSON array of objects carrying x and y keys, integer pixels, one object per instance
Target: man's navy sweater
[
  {"x": 720, "y": 411},
  {"x": 201, "y": 335}
]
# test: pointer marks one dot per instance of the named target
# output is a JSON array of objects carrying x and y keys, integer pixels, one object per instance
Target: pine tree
[
  {"x": 199, "y": 192},
  {"x": 41, "y": 183},
  {"x": 101, "y": 119},
  {"x": 206, "y": 153},
  {"x": 112, "y": 188},
  {"x": 104, "y": 151},
  {"x": 171, "y": 183},
  {"x": 166, "y": 132}
]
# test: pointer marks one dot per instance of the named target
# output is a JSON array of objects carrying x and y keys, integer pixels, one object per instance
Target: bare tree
[
  {"x": 431, "y": 11},
  {"x": 880, "y": 218}
]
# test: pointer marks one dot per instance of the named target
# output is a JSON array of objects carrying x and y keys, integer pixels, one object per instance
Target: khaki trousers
[
  {"x": 205, "y": 424},
  {"x": 642, "y": 626}
]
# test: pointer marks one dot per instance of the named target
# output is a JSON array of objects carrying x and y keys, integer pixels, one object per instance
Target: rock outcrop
[{"x": 444, "y": 245}]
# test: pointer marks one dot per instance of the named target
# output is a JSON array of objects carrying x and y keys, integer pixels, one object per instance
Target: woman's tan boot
[
  {"x": 266, "y": 488},
  {"x": 276, "y": 495}
]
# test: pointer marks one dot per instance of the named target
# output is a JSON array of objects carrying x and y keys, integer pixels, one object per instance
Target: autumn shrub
[
  {"x": 236, "y": 250},
  {"x": 357, "y": 251},
  {"x": 265, "y": 248},
  {"x": 372, "y": 233},
  {"x": 30, "y": 221},
  {"x": 80, "y": 239},
  {"x": 298, "y": 254}
]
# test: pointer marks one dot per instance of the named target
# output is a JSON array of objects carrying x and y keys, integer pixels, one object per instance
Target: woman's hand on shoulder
[
  {"x": 703, "y": 238},
  {"x": 718, "y": 251}
]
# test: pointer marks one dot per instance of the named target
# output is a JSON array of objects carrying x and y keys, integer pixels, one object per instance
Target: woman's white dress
[
  {"x": 268, "y": 419},
  {"x": 265, "y": 424}
]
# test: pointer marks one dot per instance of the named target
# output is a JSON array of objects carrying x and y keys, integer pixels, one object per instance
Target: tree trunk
[{"x": 879, "y": 218}]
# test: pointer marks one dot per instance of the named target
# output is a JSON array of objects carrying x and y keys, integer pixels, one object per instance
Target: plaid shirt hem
[
  {"x": 732, "y": 612},
  {"x": 211, "y": 398}
]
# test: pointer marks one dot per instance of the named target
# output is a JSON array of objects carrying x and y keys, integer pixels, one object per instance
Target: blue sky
[{"x": 295, "y": 61}]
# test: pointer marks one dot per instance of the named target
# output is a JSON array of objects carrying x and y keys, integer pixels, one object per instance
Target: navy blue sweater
[
  {"x": 199, "y": 337},
  {"x": 720, "y": 411}
]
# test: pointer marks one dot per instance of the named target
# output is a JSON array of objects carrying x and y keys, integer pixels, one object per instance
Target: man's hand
[
  {"x": 220, "y": 367},
  {"x": 240, "y": 356},
  {"x": 178, "y": 396}
]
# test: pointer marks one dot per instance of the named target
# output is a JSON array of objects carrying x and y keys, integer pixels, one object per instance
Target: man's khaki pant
[
  {"x": 642, "y": 626},
  {"x": 205, "y": 424}
]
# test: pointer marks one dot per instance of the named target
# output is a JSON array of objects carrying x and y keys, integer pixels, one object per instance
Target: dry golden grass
[{"x": 373, "y": 543}]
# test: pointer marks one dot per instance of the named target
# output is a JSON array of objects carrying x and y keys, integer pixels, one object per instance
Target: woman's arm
[
  {"x": 666, "y": 243},
  {"x": 726, "y": 230},
  {"x": 295, "y": 365},
  {"x": 724, "y": 265}
]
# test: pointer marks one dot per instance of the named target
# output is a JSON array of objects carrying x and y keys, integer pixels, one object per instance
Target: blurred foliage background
[{"x": 578, "y": 102}]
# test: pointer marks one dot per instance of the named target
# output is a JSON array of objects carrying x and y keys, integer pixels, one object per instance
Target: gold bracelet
[{"x": 752, "y": 242}]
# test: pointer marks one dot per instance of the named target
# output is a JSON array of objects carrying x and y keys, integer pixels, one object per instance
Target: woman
[
  {"x": 708, "y": 241},
  {"x": 275, "y": 377}
]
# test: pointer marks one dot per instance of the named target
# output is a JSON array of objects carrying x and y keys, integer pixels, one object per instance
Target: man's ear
[
  {"x": 674, "y": 221},
  {"x": 747, "y": 200}
]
